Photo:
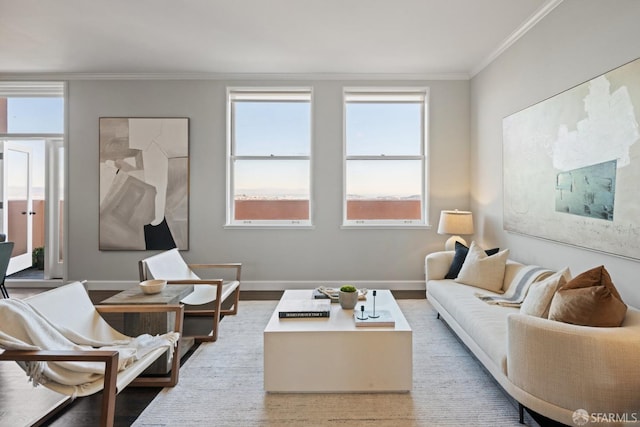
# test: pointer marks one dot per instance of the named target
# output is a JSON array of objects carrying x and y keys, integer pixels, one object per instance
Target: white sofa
[{"x": 550, "y": 367}]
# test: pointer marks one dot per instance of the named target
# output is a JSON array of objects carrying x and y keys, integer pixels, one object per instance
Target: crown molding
[
  {"x": 234, "y": 76},
  {"x": 544, "y": 10}
]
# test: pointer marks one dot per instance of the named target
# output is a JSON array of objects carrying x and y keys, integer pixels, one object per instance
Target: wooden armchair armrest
[
  {"x": 236, "y": 265},
  {"x": 110, "y": 359},
  {"x": 195, "y": 282},
  {"x": 61, "y": 355}
]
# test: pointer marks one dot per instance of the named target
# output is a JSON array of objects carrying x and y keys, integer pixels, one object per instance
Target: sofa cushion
[
  {"x": 486, "y": 324},
  {"x": 540, "y": 294},
  {"x": 483, "y": 271},
  {"x": 590, "y": 299},
  {"x": 460, "y": 256}
]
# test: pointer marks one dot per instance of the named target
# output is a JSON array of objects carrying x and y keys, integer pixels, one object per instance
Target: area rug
[{"x": 222, "y": 384}]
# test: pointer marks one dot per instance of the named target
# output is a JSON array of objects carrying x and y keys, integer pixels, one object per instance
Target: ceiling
[{"x": 223, "y": 37}]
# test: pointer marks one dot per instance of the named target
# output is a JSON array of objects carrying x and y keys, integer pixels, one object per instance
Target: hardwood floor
[{"x": 85, "y": 411}]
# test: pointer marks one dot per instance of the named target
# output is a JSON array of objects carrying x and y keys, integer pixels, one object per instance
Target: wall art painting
[
  {"x": 572, "y": 165},
  {"x": 144, "y": 183}
]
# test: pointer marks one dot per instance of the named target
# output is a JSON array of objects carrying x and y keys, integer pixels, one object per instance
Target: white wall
[
  {"x": 577, "y": 41},
  {"x": 325, "y": 253}
]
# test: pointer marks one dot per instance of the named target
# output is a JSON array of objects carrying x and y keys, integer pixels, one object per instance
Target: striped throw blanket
[{"x": 519, "y": 286}]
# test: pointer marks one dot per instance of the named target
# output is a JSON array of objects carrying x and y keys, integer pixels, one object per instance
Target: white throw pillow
[
  {"x": 482, "y": 270},
  {"x": 538, "y": 299}
]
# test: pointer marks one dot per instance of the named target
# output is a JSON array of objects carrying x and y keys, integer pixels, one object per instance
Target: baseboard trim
[
  {"x": 281, "y": 285},
  {"x": 33, "y": 283},
  {"x": 247, "y": 285}
]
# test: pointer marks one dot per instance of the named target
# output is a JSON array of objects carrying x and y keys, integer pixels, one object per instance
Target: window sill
[
  {"x": 386, "y": 226},
  {"x": 269, "y": 226}
]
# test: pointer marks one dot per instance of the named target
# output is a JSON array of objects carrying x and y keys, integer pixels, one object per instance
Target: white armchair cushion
[
  {"x": 169, "y": 265},
  {"x": 203, "y": 294}
]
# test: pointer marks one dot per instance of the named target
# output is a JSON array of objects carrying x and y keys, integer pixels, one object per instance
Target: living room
[{"x": 572, "y": 42}]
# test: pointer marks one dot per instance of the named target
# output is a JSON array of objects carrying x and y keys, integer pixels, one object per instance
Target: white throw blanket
[
  {"x": 23, "y": 328},
  {"x": 515, "y": 294}
]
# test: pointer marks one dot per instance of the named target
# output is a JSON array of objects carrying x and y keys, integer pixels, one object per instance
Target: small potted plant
[
  {"x": 348, "y": 297},
  {"x": 37, "y": 258}
]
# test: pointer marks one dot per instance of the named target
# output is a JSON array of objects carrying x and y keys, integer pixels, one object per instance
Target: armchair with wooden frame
[
  {"x": 170, "y": 266},
  {"x": 70, "y": 307}
]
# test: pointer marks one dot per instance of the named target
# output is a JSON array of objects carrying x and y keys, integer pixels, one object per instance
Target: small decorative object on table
[
  {"x": 323, "y": 292},
  {"x": 348, "y": 297},
  {"x": 361, "y": 315},
  {"x": 373, "y": 317},
  {"x": 154, "y": 286},
  {"x": 373, "y": 313}
]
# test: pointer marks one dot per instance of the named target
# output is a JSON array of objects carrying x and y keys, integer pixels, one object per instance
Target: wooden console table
[{"x": 135, "y": 324}]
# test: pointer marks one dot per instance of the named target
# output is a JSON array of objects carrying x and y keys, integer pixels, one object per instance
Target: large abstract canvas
[
  {"x": 572, "y": 165},
  {"x": 144, "y": 183}
]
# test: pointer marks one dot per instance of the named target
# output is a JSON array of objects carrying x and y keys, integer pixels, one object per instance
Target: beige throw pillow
[
  {"x": 540, "y": 294},
  {"x": 482, "y": 270}
]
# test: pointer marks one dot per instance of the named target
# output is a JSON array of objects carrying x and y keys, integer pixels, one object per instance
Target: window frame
[
  {"x": 391, "y": 95},
  {"x": 265, "y": 94}
]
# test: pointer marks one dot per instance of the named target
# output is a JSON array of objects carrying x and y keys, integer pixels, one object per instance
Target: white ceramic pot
[{"x": 348, "y": 300}]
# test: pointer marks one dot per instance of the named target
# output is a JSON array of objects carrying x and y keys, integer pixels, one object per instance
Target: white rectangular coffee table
[{"x": 332, "y": 355}]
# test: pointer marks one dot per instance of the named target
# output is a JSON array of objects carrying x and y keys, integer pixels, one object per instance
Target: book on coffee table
[
  {"x": 385, "y": 318},
  {"x": 321, "y": 295},
  {"x": 301, "y": 308}
]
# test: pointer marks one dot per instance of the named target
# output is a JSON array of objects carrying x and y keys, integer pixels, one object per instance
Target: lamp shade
[{"x": 455, "y": 222}]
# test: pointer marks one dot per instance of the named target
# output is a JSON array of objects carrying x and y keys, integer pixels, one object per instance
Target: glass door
[{"x": 18, "y": 207}]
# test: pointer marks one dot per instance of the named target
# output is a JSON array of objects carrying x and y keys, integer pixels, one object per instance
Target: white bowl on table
[{"x": 154, "y": 286}]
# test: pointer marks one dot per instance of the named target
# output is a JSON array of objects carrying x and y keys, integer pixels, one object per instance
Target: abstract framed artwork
[
  {"x": 144, "y": 183},
  {"x": 572, "y": 165}
]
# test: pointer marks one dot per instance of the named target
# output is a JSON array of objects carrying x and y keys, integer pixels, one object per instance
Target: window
[
  {"x": 385, "y": 163},
  {"x": 269, "y": 179}
]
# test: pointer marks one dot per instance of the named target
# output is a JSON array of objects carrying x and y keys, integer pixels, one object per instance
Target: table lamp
[{"x": 455, "y": 222}]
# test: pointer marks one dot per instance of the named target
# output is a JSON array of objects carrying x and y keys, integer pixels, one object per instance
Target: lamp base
[{"x": 450, "y": 244}]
